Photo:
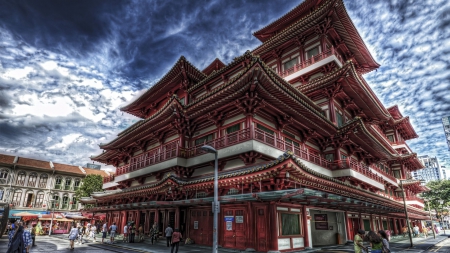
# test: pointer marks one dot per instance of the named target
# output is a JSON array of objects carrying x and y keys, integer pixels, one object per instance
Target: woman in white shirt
[{"x": 73, "y": 235}]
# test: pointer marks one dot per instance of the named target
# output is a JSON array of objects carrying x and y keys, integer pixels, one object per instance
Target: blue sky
[{"x": 66, "y": 67}]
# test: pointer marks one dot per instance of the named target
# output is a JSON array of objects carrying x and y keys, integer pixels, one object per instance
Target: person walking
[
  {"x": 358, "y": 242},
  {"x": 416, "y": 231},
  {"x": 125, "y": 233},
  {"x": 33, "y": 235},
  {"x": 376, "y": 244},
  {"x": 80, "y": 234},
  {"x": 104, "y": 231},
  {"x": 141, "y": 233},
  {"x": 425, "y": 231},
  {"x": 154, "y": 232},
  {"x": 404, "y": 231},
  {"x": 73, "y": 235},
  {"x": 168, "y": 233},
  {"x": 112, "y": 232},
  {"x": 92, "y": 233},
  {"x": 132, "y": 232},
  {"x": 176, "y": 238},
  {"x": 385, "y": 241},
  {"x": 19, "y": 239}
]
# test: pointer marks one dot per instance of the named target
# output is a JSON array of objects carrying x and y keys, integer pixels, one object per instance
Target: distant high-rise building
[
  {"x": 446, "y": 123},
  {"x": 93, "y": 166},
  {"x": 444, "y": 173},
  {"x": 432, "y": 170}
]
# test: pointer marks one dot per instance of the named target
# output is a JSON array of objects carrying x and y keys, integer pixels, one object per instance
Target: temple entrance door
[
  {"x": 171, "y": 220},
  {"x": 161, "y": 227},
  {"x": 141, "y": 220},
  {"x": 354, "y": 226},
  {"x": 261, "y": 229},
  {"x": 200, "y": 227},
  {"x": 234, "y": 229}
]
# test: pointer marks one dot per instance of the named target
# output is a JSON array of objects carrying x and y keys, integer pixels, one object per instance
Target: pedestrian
[
  {"x": 416, "y": 231},
  {"x": 176, "y": 238},
  {"x": 141, "y": 233},
  {"x": 19, "y": 239},
  {"x": 112, "y": 232},
  {"x": 125, "y": 233},
  {"x": 104, "y": 232},
  {"x": 436, "y": 229},
  {"x": 425, "y": 231},
  {"x": 154, "y": 232},
  {"x": 376, "y": 244},
  {"x": 73, "y": 235},
  {"x": 168, "y": 232},
  {"x": 404, "y": 230},
  {"x": 358, "y": 242},
  {"x": 92, "y": 233},
  {"x": 33, "y": 235},
  {"x": 132, "y": 232},
  {"x": 80, "y": 234},
  {"x": 385, "y": 241}
]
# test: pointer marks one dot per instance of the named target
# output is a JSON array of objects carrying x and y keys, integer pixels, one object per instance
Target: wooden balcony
[
  {"x": 356, "y": 166},
  {"x": 411, "y": 198},
  {"x": 315, "y": 59}
]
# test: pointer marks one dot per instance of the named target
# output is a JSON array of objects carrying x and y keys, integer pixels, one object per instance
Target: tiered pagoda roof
[{"x": 342, "y": 32}]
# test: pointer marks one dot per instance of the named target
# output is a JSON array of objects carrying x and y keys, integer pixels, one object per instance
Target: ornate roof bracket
[
  {"x": 250, "y": 157},
  {"x": 217, "y": 117},
  {"x": 283, "y": 121},
  {"x": 220, "y": 164},
  {"x": 249, "y": 104}
]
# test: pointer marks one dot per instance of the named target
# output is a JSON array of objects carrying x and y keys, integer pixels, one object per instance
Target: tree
[
  {"x": 439, "y": 190},
  {"x": 90, "y": 184}
]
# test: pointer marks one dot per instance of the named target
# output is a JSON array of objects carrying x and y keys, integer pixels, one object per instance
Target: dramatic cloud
[{"x": 66, "y": 67}]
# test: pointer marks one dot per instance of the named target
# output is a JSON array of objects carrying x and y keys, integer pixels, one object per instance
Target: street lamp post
[
  {"x": 406, "y": 214},
  {"x": 442, "y": 214},
  {"x": 216, "y": 207},
  {"x": 53, "y": 213},
  {"x": 431, "y": 219}
]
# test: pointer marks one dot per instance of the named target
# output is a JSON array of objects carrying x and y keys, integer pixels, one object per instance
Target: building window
[
  {"x": 3, "y": 176},
  {"x": 312, "y": 52},
  {"x": 233, "y": 129},
  {"x": 329, "y": 157},
  {"x": 1, "y": 193},
  {"x": 339, "y": 120},
  {"x": 29, "y": 199},
  {"x": 290, "y": 224},
  {"x": 76, "y": 184},
  {"x": 265, "y": 129},
  {"x": 289, "y": 64},
  {"x": 65, "y": 202},
  {"x": 203, "y": 140},
  {"x": 67, "y": 184},
  {"x": 232, "y": 191},
  {"x": 16, "y": 198},
  {"x": 21, "y": 178},
  {"x": 289, "y": 141},
  {"x": 32, "y": 180},
  {"x": 58, "y": 182},
  {"x": 391, "y": 138},
  {"x": 39, "y": 199},
  {"x": 182, "y": 101},
  {"x": 55, "y": 202},
  {"x": 397, "y": 173},
  {"x": 43, "y": 181}
]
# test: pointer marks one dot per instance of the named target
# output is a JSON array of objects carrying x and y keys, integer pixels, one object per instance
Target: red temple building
[{"x": 307, "y": 152}]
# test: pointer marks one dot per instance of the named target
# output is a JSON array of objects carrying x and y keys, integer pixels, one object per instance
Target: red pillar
[
  {"x": 372, "y": 227},
  {"x": 273, "y": 245},
  {"x": 395, "y": 226},
  {"x": 305, "y": 227},
  {"x": 250, "y": 221},
  {"x": 347, "y": 226},
  {"x": 361, "y": 222},
  {"x": 332, "y": 110},
  {"x": 177, "y": 218}
]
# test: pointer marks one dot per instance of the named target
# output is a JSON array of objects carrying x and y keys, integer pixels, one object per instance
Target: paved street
[{"x": 60, "y": 243}]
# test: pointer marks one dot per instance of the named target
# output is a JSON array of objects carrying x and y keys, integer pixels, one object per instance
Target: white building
[{"x": 432, "y": 170}]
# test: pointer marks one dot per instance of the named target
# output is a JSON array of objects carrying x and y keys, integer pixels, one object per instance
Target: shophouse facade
[{"x": 307, "y": 152}]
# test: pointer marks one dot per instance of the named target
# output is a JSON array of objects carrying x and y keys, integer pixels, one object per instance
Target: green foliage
[
  {"x": 439, "y": 190},
  {"x": 90, "y": 184}
]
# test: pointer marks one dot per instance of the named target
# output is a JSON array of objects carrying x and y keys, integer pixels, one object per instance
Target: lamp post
[
  {"x": 53, "y": 214},
  {"x": 431, "y": 220},
  {"x": 216, "y": 207},
  {"x": 406, "y": 213},
  {"x": 442, "y": 214}
]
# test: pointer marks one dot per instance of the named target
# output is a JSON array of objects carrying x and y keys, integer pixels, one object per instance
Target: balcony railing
[
  {"x": 15, "y": 203},
  {"x": 75, "y": 188},
  {"x": 38, "y": 205},
  {"x": 65, "y": 206},
  {"x": 67, "y": 187},
  {"x": 356, "y": 166},
  {"x": 58, "y": 187},
  {"x": 20, "y": 182},
  {"x": 299, "y": 66},
  {"x": 389, "y": 175},
  {"x": 106, "y": 179},
  {"x": 73, "y": 206},
  {"x": 43, "y": 185}
]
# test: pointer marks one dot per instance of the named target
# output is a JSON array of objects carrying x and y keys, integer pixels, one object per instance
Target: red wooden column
[
  {"x": 332, "y": 109},
  {"x": 305, "y": 227},
  {"x": 273, "y": 230},
  {"x": 177, "y": 218},
  {"x": 347, "y": 225},
  {"x": 395, "y": 226},
  {"x": 388, "y": 224},
  {"x": 147, "y": 222},
  {"x": 372, "y": 227},
  {"x": 251, "y": 223},
  {"x": 361, "y": 221}
]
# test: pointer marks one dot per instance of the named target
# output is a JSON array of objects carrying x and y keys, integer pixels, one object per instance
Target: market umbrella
[{"x": 21, "y": 214}]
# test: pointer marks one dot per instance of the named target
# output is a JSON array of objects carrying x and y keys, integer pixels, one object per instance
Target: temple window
[
  {"x": 312, "y": 52},
  {"x": 233, "y": 129},
  {"x": 265, "y": 129},
  {"x": 232, "y": 191},
  {"x": 329, "y": 157},
  {"x": 391, "y": 138},
  {"x": 201, "y": 195},
  {"x": 290, "y": 224},
  {"x": 290, "y": 63},
  {"x": 182, "y": 101},
  {"x": 397, "y": 173},
  {"x": 339, "y": 119},
  {"x": 205, "y": 139},
  {"x": 343, "y": 157}
]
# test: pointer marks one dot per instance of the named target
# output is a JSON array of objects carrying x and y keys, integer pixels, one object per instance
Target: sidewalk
[{"x": 397, "y": 244}]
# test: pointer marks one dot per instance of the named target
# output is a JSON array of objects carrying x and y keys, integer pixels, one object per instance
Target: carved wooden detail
[{"x": 250, "y": 157}]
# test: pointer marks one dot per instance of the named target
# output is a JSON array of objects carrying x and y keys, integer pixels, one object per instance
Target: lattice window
[
  {"x": 201, "y": 194},
  {"x": 32, "y": 180},
  {"x": 233, "y": 129},
  {"x": 21, "y": 178},
  {"x": 233, "y": 191},
  {"x": 43, "y": 181}
]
